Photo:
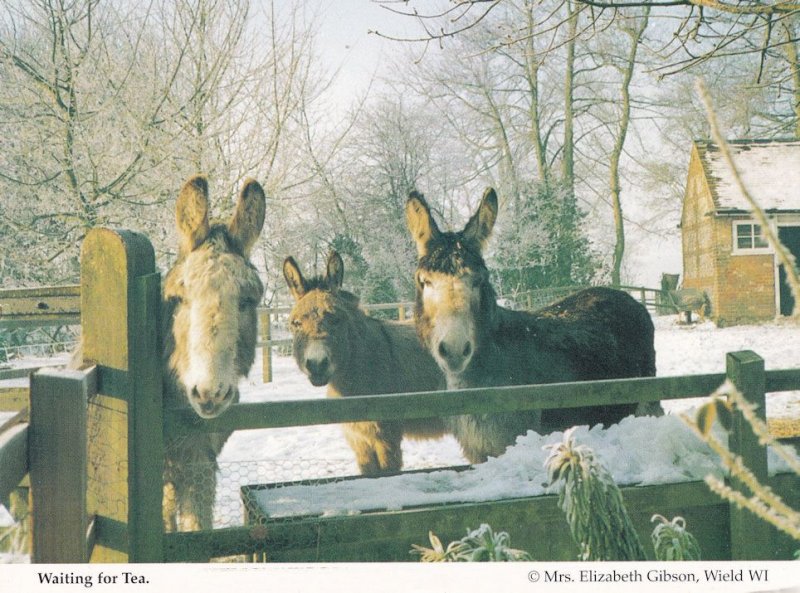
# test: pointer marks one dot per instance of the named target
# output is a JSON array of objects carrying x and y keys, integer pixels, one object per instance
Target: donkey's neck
[
  {"x": 367, "y": 368},
  {"x": 173, "y": 389},
  {"x": 505, "y": 344}
]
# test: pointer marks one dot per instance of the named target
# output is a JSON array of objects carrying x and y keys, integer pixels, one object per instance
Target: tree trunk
[
  {"x": 616, "y": 154},
  {"x": 564, "y": 260},
  {"x": 532, "y": 75},
  {"x": 794, "y": 70},
  {"x": 568, "y": 163}
]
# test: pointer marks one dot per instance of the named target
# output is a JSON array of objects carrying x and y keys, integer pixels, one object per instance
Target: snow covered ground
[
  {"x": 673, "y": 454},
  {"x": 289, "y": 454}
]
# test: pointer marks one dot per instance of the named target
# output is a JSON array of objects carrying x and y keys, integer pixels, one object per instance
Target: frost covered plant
[
  {"x": 436, "y": 553},
  {"x": 671, "y": 541},
  {"x": 14, "y": 538},
  {"x": 592, "y": 502},
  {"x": 480, "y": 545},
  {"x": 761, "y": 501}
]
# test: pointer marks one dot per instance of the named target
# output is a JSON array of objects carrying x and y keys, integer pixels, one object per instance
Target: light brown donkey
[
  {"x": 337, "y": 344},
  {"x": 210, "y": 298}
]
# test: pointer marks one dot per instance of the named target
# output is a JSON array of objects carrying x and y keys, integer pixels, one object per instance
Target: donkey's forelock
[{"x": 453, "y": 254}]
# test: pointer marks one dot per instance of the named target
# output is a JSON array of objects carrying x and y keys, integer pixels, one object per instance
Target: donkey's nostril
[
  {"x": 317, "y": 366},
  {"x": 467, "y": 349},
  {"x": 442, "y": 350},
  {"x": 195, "y": 393}
]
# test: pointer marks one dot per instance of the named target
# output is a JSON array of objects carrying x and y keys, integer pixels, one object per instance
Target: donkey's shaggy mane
[{"x": 452, "y": 254}]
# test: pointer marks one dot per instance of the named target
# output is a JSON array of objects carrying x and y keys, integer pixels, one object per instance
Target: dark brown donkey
[
  {"x": 337, "y": 344},
  {"x": 210, "y": 298},
  {"x": 597, "y": 333}
]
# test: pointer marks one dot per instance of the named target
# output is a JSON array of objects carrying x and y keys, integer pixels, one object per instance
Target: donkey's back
[
  {"x": 604, "y": 334},
  {"x": 608, "y": 334}
]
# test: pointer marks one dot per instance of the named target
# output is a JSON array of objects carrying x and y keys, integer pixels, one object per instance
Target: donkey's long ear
[
  {"x": 247, "y": 221},
  {"x": 482, "y": 222},
  {"x": 420, "y": 222},
  {"x": 335, "y": 271},
  {"x": 191, "y": 213},
  {"x": 294, "y": 278}
]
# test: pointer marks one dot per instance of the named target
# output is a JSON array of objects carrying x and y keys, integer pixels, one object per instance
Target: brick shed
[{"x": 725, "y": 253}]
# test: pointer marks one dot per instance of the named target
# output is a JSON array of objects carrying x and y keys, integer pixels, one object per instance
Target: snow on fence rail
[{"x": 106, "y": 505}]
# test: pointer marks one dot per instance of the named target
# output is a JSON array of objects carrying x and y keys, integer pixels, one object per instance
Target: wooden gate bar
[{"x": 146, "y": 448}]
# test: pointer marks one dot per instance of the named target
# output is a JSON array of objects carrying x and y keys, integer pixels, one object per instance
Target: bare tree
[
  {"x": 106, "y": 106},
  {"x": 75, "y": 133}
]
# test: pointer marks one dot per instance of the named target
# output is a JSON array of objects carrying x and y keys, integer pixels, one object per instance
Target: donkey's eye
[
  {"x": 423, "y": 281},
  {"x": 295, "y": 323}
]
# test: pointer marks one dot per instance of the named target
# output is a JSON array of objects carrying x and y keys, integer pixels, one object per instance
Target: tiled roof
[{"x": 770, "y": 170}]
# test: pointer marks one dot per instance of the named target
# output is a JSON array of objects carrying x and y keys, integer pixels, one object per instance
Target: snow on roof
[
  {"x": 770, "y": 169},
  {"x": 643, "y": 450}
]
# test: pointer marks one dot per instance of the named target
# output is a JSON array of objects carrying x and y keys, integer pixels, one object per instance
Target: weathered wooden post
[
  {"x": 120, "y": 319},
  {"x": 751, "y": 537},
  {"x": 266, "y": 350},
  {"x": 58, "y": 464}
]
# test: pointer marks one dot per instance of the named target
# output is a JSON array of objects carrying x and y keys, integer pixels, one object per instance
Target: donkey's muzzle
[
  {"x": 210, "y": 404},
  {"x": 318, "y": 371},
  {"x": 455, "y": 354}
]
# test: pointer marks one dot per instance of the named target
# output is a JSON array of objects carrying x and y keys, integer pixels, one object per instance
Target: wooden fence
[{"x": 105, "y": 505}]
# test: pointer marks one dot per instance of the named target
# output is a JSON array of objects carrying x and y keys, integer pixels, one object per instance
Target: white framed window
[{"x": 748, "y": 237}]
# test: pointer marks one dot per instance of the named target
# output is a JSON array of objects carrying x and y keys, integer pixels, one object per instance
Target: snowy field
[{"x": 289, "y": 454}]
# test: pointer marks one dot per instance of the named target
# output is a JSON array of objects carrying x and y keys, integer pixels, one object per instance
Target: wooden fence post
[
  {"x": 58, "y": 468},
  {"x": 751, "y": 537},
  {"x": 266, "y": 351},
  {"x": 120, "y": 318}
]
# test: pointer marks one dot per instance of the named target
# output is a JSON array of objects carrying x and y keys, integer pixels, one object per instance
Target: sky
[
  {"x": 359, "y": 59},
  {"x": 349, "y": 48}
]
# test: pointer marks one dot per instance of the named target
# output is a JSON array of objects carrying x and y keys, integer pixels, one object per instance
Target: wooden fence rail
[
  {"x": 38, "y": 307},
  {"x": 445, "y": 403}
]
